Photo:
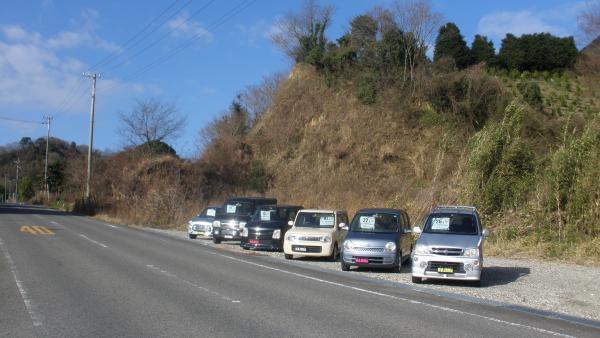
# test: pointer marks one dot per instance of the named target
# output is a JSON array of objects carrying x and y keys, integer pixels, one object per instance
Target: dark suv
[
  {"x": 268, "y": 226},
  {"x": 233, "y": 216}
]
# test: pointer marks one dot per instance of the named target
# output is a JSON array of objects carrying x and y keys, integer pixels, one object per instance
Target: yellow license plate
[{"x": 445, "y": 270}]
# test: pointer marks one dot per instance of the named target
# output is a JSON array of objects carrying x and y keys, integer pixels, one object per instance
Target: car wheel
[
  {"x": 287, "y": 256},
  {"x": 398, "y": 267},
  {"x": 216, "y": 240},
  {"x": 335, "y": 254},
  {"x": 345, "y": 267},
  {"x": 417, "y": 280},
  {"x": 193, "y": 236}
]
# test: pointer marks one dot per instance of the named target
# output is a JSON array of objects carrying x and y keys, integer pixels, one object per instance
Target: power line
[
  {"x": 125, "y": 46},
  {"x": 240, "y": 7},
  {"x": 76, "y": 89},
  {"x": 164, "y": 36},
  {"x": 21, "y": 121}
]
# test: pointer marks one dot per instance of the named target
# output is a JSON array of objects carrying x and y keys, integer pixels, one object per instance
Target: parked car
[
  {"x": 202, "y": 224},
  {"x": 450, "y": 245},
  {"x": 266, "y": 230},
  {"x": 233, "y": 216},
  {"x": 316, "y": 233},
  {"x": 377, "y": 238}
]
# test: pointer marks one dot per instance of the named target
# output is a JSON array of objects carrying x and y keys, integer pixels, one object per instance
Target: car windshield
[
  {"x": 315, "y": 220},
  {"x": 454, "y": 224},
  {"x": 269, "y": 214},
  {"x": 375, "y": 222},
  {"x": 236, "y": 208},
  {"x": 208, "y": 212}
]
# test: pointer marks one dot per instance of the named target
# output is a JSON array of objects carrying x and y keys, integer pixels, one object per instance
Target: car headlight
[
  {"x": 422, "y": 250},
  {"x": 348, "y": 245},
  {"x": 277, "y": 234},
  {"x": 326, "y": 239},
  {"x": 245, "y": 232},
  {"x": 216, "y": 224},
  {"x": 390, "y": 246},
  {"x": 471, "y": 252}
]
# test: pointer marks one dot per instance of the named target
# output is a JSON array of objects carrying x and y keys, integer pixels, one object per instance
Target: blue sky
[{"x": 45, "y": 45}]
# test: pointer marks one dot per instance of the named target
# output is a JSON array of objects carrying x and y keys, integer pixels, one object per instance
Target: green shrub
[
  {"x": 367, "y": 89},
  {"x": 531, "y": 93},
  {"x": 501, "y": 164}
]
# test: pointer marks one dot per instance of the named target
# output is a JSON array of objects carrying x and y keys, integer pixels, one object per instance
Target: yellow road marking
[{"x": 36, "y": 230}]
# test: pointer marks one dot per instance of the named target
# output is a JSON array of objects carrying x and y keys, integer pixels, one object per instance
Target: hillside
[{"x": 531, "y": 168}]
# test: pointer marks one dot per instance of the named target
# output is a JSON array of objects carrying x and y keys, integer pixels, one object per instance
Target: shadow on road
[
  {"x": 492, "y": 276},
  {"x": 22, "y": 209}
]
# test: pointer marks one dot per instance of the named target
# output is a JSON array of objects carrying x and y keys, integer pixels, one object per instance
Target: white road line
[
  {"x": 438, "y": 307},
  {"x": 29, "y": 305},
  {"x": 55, "y": 223},
  {"x": 192, "y": 284},
  {"x": 93, "y": 241}
]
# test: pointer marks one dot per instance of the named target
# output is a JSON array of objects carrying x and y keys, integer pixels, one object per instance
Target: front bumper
[
  {"x": 199, "y": 230},
  {"x": 381, "y": 259},
  {"x": 263, "y": 244},
  {"x": 308, "y": 248},
  {"x": 463, "y": 268},
  {"x": 229, "y": 234}
]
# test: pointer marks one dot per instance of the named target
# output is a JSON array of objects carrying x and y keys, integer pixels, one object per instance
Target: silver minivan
[{"x": 450, "y": 245}]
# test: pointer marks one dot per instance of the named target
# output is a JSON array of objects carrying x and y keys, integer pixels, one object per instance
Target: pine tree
[
  {"x": 450, "y": 43},
  {"x": 483, "y": 50}
]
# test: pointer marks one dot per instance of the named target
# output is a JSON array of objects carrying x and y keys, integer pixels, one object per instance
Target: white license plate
[
  {"x": 300, "y": 249},
  {"x": 228, "y": 236}
]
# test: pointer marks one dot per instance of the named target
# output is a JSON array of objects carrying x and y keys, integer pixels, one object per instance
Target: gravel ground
[{"x": 550, "y": 286}]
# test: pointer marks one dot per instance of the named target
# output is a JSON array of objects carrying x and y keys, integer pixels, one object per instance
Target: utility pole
[
  {"x": 18, "y": 163},
  {"x": 5, "y": 187},
  {"x": 93, "y": 76},
  {"x": 47, "y": 186}
]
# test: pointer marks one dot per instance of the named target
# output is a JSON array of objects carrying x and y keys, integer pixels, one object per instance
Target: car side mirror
[
  {"x": 485, "y": 233},
  {"x": 407, "y": 231},
  {"x": 343, "y": 226},
  {"x": 291, "y": 223},
  {"x": 417, "y": 230}
]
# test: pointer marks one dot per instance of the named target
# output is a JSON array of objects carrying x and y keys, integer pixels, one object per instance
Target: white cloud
[
  {"x": 35, "y": 77},
  {"x": 559, "y": 20},
  {"x": 183, "y": 27}
]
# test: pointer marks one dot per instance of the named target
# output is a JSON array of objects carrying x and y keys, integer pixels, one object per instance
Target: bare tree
[
  {"x": 151, "y": 120},
  {"x": 291, "y": 29},
  {"x": 589, "y": 20},
  {"x": 256, "y": 99},
  {"x": 418, "y": 22}
]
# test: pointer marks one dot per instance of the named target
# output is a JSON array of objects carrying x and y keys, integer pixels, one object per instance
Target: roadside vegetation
[{"x": 368, "y": 120}]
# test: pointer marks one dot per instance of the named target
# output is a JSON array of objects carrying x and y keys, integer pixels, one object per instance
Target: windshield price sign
[
  {"x": 230, "y": 209},
  {"x": 367, "y": 222},
  {"x": 210, "y": 212},
  {"x": 326, "y": 221},
  {"x": 265, "y": 215},
  {"x": 440, "y": 223}
]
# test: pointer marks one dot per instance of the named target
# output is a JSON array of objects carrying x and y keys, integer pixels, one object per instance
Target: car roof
[
  {"x": 249, "y": 199},
  {"x": 282, "y": 206},
  {"x": 462, "y": 209},
  {"x": 323, "y": 210},
  {"x": 382, "y": 210}
]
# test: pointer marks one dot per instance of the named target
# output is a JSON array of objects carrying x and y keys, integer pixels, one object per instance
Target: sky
[{"x": 196, "y": 54}]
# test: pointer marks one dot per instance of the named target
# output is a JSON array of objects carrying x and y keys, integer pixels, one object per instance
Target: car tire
[
  {"x": 417, "y": 280},
  {"x": 216, "y": 240},
  {"x": 288, "y": 256},
  {"x": 335, "y": 254},
  {"x": 193, "y": 236},
  {"x": 345, "y": 267}
]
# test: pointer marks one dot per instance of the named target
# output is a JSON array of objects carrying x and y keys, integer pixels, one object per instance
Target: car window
[
  {"x": 269, "y": 214},
  {"x": 451, "y": 223},
  {"x": 315, "y": 220},
  {"x": 208, "y": 212},
  {"x": 375, "y": 222},
  {"x": 235, "y": 208}
]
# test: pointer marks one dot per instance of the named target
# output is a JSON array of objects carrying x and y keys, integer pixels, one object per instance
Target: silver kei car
[{"x": 450, "y": 245}]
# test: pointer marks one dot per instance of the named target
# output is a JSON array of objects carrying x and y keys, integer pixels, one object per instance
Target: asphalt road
[{"x": 69, "y": 276}]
